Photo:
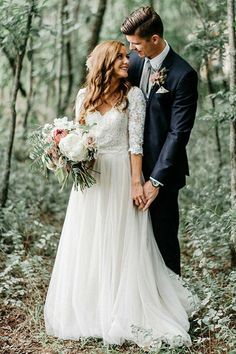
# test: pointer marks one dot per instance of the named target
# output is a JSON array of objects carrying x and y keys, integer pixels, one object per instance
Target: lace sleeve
[
  {"x": 137, "y": 109},
  {"x": 78, "y": 103}
]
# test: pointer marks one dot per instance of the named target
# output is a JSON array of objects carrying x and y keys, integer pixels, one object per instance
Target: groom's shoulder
[
  {"x": 135, "y": 59},
  {"x": 182, "y": 64},
  {"x": 135, "y": 68}
]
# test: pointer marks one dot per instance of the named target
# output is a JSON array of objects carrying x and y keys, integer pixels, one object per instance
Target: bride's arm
[
  {"x": 137, "y": 107},
  {"x": 136, "y": 180}
]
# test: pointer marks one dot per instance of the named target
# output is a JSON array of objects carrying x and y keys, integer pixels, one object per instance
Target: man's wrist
[{"x": 155, "y": 183}]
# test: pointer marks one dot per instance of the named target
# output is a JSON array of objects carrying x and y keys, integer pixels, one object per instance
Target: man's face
[{"x": 144, "y": 47}]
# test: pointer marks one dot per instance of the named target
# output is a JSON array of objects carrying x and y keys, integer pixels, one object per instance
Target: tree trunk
[
  {"x": 70, "y": 78},
  {"x": 221, "y": 62},
  {"x": 216, "y": 125},
  {"x": 60, "y": 59},
  {"x": 12, "y": 64},
  {"x": 30, "y": 94},
  {"x": 232, "y": 84},
  {"x": 19, "y": 63},
  {"x": 95, "y": 32}
]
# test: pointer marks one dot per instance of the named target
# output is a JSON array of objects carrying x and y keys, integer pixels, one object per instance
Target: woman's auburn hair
[{"x": 100, "y": 65}]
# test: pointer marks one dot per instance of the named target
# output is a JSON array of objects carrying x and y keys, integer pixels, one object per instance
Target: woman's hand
[{"x": 138, "y": 195}]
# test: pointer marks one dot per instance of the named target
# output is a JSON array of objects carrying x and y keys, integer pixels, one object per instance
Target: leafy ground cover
[{"x": 30, "y": 228}]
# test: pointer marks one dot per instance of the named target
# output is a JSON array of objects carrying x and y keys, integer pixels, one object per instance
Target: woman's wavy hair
[{"x": 100, "y": 65}]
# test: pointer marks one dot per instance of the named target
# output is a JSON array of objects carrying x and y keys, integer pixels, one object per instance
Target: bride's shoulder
[
  {"x": 81, "y": 93},
  {"x": 135, "y": 93}
]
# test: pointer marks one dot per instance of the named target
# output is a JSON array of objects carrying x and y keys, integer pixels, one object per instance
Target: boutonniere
[{"x": 159, "y": 78}]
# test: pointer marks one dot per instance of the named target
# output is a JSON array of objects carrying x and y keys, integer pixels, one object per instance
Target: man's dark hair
[{"x": 144, "y": 22}]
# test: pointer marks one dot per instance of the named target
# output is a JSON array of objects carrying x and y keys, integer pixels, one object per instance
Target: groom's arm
[{"x": 182, "y": 119}]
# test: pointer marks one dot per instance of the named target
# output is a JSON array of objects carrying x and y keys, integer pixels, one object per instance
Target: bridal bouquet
[{"x": 67, "y": 149}]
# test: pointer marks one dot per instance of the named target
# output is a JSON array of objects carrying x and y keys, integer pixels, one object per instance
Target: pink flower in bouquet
[{"x": 58, "y": 134}]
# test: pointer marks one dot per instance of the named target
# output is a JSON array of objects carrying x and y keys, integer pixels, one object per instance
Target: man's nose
[{"x": 131, "y": 46}]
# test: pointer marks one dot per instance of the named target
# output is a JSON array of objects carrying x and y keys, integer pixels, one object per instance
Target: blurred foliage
[{"x": 30, "y": 224}]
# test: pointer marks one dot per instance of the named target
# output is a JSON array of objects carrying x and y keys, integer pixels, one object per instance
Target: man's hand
[{"x": 150, "y": 193}]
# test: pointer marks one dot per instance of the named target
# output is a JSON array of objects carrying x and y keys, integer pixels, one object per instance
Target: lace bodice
[{"x": 118, "y": 130}]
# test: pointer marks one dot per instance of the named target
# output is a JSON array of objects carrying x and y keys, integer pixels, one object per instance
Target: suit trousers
[{"x": 164, "y": 213}]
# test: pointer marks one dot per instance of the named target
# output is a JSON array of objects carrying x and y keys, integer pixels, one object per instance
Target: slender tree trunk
[
  {"x": 70, "y": 79},
  {"x": 216, "y": 125},
  {"x": 12, "y": 64},
  {"x": 76, "y": 11},
  {"x": 221, "y": 62},
  {"x": 97, "y": 26},
  {"x": 95, "y": 32},
  {"x": 60, "y": 59},
  {"x": 232, "y": 83},
  {"x": 19, "y": 64},
  {"x": 7, "y": 169},
  {"x": 30, "y": 94}
]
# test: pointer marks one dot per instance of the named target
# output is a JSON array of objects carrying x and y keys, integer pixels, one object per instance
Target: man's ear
[{"x": 155, "y": 39}]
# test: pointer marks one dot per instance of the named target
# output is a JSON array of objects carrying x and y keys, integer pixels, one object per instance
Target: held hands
[
  {"x": 138, "y": 195},
  {"x": 143, "y": 196},
  {"x": 150, "y": 193}
]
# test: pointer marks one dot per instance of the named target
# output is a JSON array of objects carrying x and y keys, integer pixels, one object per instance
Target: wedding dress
[{"x": 109, "y": 279}]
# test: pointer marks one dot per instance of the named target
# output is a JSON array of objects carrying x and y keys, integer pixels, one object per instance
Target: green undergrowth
[{"x": 30, "y": 226}]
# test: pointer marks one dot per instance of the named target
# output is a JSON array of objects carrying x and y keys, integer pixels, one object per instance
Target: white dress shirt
[{"x": 157, "y": 61}]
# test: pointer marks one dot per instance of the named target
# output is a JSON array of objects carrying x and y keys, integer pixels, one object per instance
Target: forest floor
[
  {"x": 30, "y": 226},
  {"x": 22, "y": 327}
]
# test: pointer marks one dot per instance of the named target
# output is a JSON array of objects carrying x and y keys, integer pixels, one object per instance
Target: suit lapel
[{"x": 167, "y": 62}]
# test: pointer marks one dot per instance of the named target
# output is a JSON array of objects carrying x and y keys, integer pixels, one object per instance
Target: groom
[{"x": 169, "y": 84}]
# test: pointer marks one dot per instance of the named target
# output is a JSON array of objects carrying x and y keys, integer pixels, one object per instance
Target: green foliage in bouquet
[{"x": 37, "y": 146}]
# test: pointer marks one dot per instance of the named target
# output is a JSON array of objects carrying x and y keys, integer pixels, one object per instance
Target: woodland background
[{"x": 44, "y": 45}]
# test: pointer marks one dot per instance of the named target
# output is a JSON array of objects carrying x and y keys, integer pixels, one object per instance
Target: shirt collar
[{"x": 158, "y": 60}]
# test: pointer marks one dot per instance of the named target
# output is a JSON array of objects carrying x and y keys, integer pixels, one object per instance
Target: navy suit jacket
[{"x": 169, "y": 120}]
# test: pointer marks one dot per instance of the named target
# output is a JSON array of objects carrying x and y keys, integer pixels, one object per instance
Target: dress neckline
[{"x": 103, "y": 114}]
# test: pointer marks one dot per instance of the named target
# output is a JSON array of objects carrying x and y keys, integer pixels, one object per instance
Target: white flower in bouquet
[
  {"x": 47, "y": 127},
  {"x": 63, "y": 123},
  {"x": 89, "y": 141},
  {"x": 73, "y": 147},
  {"x": 46, "y": 132}
]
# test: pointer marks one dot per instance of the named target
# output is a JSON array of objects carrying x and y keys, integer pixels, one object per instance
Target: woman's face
[{"x": 121, "y": 64}]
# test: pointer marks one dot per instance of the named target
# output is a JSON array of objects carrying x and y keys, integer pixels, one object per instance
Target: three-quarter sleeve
[
  {"x": 137, "y": 110},
  {"x": 78, "y": 103}
]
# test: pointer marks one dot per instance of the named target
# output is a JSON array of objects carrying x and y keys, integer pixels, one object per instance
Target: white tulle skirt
[{"x": 109, "y": 279}]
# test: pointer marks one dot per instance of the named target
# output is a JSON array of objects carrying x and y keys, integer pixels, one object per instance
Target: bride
[{"x": 109, "y": 279}]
